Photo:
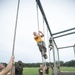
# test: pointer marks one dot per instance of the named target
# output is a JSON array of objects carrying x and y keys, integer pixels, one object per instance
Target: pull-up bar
[
  {"x": 68, "y": 47},
  {"x": 65, "y": 47},
  {"x": 64, "y": 34},
  {"x": 64, "y": 31}
]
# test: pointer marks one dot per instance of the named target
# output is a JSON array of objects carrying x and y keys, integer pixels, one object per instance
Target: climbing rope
[
  {"x": 44, "y": 37},
  {"x": 43, "y": 29},
  {"x": 37, "y": 17},
  {"x": 15, "y": 27},
  {"x": 48, "y": 48},
  {"x": 43, "y": 60},
  {"x": 13, "y": 67}
]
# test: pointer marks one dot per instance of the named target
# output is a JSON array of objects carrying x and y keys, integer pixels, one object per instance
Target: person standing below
[
  {"x": 1, "y": 66},
  {"x": 47, "y": 70},
  {"x": 19, "y": 68},
  {"x": 41, "y": 69},
  {"x": 52, "y": 68},
  {"x": 41, "y": 44},
  {"x": 58, "y": 68},
  {"x": 8, "y": 67}
]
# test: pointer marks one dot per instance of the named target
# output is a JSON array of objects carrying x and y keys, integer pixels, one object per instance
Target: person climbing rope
[
  {"x": 41, "y": 69},
  {"x": 41, "y": 44},
  {"x": 47, "y": 70}
]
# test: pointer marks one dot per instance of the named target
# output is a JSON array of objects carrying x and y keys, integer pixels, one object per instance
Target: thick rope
[
  {"x": 13, "y": 67},
  {"x": 15, "y": 27},
  {"x": 48, "y": 49},
  {"x": 44, "y": 41},
  {"x": 38, "y": 31},
  {"x": 37, "y": 17},
  {"x": 43, "y": 29},
  {"x": 44, "y": 37}
]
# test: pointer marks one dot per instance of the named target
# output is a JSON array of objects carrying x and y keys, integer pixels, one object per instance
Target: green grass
[
  {"x": 30, "y": 71},
  {"x": 70, "y": 69},
  {"x": 34, "y": 71}
]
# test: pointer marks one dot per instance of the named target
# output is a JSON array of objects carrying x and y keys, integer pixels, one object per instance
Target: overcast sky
[{"x": 60, "y": 15}]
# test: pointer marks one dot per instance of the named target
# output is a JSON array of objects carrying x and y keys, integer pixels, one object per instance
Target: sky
[{"x": 60, "y": 15}]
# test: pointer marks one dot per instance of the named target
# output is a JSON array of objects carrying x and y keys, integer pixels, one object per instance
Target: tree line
[{"x": 62, "y": 63}]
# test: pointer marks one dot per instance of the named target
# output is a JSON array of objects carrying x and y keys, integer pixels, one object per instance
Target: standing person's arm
[{"x": 8, "y": 67}]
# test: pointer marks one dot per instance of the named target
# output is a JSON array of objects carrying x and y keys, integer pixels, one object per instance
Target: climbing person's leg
[
  {"x": 42, "y": 49},
  {"x": 39, "y": 46},
  {"x": 44, "y": 46},
  {"x": 43, "y": 52}
]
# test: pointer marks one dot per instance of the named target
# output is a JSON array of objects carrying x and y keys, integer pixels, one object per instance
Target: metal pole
[
  {"x": 58, "y": 57},
  {"x": 74, "y": 49},
  {"x": 49, "y": 59},
  {"x": 64, "y": 35},
  {"x": 55, "y": 70},
  {"x": 58, "y": 64},
  {"x": 65, "y": 47},
  {"x": 63, "y": 31}
]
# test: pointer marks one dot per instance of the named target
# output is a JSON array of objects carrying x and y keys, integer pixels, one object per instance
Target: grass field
[
  {"x": 34, "y": 71},
  {"x": 71, "y": 69}
]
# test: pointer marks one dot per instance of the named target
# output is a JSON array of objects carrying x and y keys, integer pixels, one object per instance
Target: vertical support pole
[
  {"x": 74, "y": 49},
  {"x": 58, "y": 64},
  {"x": 58, "y": 56},
  {"x": 55, "y": 70},
  {"x": 49, "y": 59}
]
